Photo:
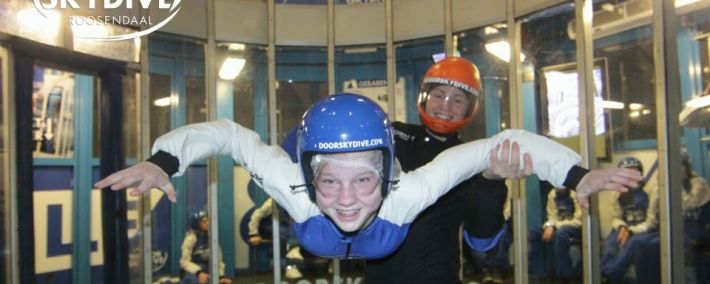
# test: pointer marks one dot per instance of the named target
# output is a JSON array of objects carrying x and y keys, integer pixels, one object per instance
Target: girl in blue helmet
[{"x": 345, "y": 194}]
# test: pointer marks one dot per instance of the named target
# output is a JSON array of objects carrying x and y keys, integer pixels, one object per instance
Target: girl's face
[
  {"x": 205, "y": 224},
  {"x": 348, "y": 192},
  {"x": 447, "y": 103}
]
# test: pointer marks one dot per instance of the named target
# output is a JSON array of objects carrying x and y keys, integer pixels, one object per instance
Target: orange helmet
[{"x": 452, "y": 71}]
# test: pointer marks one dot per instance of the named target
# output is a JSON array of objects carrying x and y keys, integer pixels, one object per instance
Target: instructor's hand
[{"x": 508, "y": 165}]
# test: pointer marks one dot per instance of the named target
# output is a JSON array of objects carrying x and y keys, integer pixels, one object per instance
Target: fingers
[
  {"x": 110, "y": 180},
  {"x": 616, "y": 187},
  {"x": 170, "y": 192},
  {"x": 528, "y": 164},
  {"x": 629, "y": 173},
  {"x": 142, "y": 177},
  {"x": 583, "y": 201},
  {"x": 125, "y": 182},
  {"x": 515, "y": 155},
  {"x": 494, "y": 156},
  {"x": 505, "y": 155}
]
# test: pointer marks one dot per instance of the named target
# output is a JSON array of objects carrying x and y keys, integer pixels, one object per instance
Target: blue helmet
[
  {"x": 631, "y": 162},
  {"x": 344, "y": 123},
  {"x": 195, "y": 219}
]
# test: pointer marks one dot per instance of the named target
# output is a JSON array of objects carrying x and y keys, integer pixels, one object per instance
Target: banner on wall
[
  {"x": 53, "y": 230},
  {"x": 377, "y": 91}
]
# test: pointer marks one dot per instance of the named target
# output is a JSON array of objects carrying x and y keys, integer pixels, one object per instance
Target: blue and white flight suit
[
  {"x": 271, "y": 167},
  {"x": 565, "y": 215},
  {"x": 637, "y": 210}
]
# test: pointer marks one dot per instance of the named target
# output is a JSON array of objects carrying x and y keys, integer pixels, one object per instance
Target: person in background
[
  {"x": 635, "y": 224},
  {"x": 259, "y": 236},
  {"x": 696, "y": 226},
  {"x": 563, "y": 225},
  {"x": 448, "y": 102},
  {"x": 696, "y": 218},
  {"x": 195, "y": 258}
]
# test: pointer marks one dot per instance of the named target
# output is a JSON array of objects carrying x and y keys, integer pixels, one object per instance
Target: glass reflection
[
  {"x": 196, "y": 99},
  {"x": 629, "y": 221},
  {"x": 4, "y": 177},
  {"x": 694, "y": 61},
  {"x": 550, "y": 92},
  {"x": 362, "y": 70},
  {"x": 302, "y": 79},
  {"x": 52, "y": 113}
]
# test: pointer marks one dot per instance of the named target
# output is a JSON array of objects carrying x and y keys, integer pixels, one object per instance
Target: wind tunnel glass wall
[
  {"x": 249, "y": 107},
  {"x": 551, "y": 108},
  {"x": 481, "y": 46},
  {"x": 302, "y": 79},
  {"x": 177, "y": 97},
  {"x": 493, "y": 117},
  {"x": 363, "y": 70},
  {"x": 693, "y": 60},
  {"x": 64, "y": 116},
  {"x": 413, "y": 60},
  {"x": 5, "y": 229},
  {"x": 629, "y": 221},
  {"x": 53, "y": 101}
]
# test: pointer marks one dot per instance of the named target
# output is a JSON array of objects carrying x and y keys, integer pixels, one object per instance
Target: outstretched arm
[
  {"x": 551, "y": 161},
  {"x": 269, "y": 166}
]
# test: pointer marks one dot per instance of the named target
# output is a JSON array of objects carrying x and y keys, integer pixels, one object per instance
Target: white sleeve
[
  {"x": 551, "y": 209},
  {"x": 423, "y": 186},
  {"x": 186, "y": 262},
  {"x": 258, "y": 215},
  {"x": 269, "y": 166}
]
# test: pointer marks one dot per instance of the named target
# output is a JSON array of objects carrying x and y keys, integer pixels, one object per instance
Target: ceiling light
[{"x": 231, "y": 67}]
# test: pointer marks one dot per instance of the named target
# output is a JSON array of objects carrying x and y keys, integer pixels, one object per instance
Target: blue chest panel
[
  {"x": 201, "y": 251},
  {"x": 321, "y": 237},
  {"x": 565, "y": 206},
  {"x": 633, "y": 206}
]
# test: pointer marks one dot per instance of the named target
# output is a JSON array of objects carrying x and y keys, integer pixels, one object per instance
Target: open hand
[
  {"x": 616, "y": 179},
  {"x": 508, "y": 165},
  {"x": 142, "y": 177}
]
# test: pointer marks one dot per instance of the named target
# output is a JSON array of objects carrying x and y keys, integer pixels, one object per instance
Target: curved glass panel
[
  {"x": 694, "y": 118},
  {"x": 302, "y": 79},
  {"x": 551, "y": 105},
  {"x": 253, "y": 262},
  {"x": 413, "y": 59},
  {"x": 494, "y": 264},
  {"x": 53, "y": 113},
  {"x": 628, "y": 228},
  {"x": 5, "y": 230}
]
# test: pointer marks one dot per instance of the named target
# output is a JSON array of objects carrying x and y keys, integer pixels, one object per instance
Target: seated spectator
[
  {"x": 635, "y": 223},
  {"x": 564, "y": 222},
  {"x": 195, "y": 258}
]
